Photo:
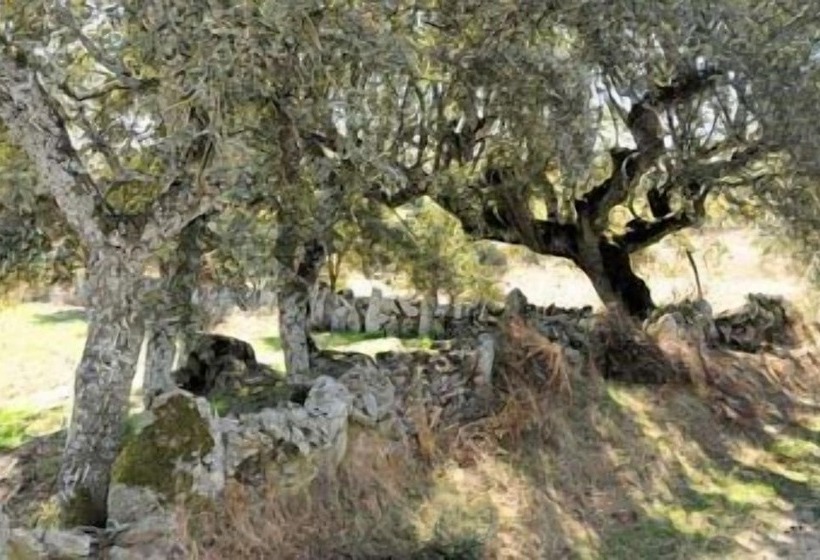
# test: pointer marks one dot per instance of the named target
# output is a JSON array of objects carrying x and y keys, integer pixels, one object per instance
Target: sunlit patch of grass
[
  {"x": 19, "y": 425},
  {"x": 41, "y": 350},
  {"x": 657, "y": 539},
  {"x": 789, "y": 449},
  {"x": 422, "y": 343}
]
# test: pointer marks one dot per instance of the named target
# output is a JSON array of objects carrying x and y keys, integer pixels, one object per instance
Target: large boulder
[
  {"x": 215, "y": 361},
  {"x": 173, "y": 449}
]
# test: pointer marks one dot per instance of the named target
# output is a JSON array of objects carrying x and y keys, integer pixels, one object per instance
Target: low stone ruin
[
  {"x": 764, "y": 321},
  {"x": 342, "y": 311},
  {"x": 187, "y": 446}
]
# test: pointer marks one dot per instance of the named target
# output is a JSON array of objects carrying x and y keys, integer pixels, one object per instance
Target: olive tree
[
  {"x": 532, "y": 122},
  {"x": 78, "y": 130}
]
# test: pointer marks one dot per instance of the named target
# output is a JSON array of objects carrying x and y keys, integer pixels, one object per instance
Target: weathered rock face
[
  {"x": 180, "y": 449},
  {"x": 762, "y": 321},
  {"x": 453, "y": 382},
  {"x": 148, "y": 525},
  {"x": 35, "y": 544},
  {"x": 289, "y": 445},
  {"x": 334, "y": 363},
  {"x": 214, "y": 359},
  {"x": 373, "y": 397}
]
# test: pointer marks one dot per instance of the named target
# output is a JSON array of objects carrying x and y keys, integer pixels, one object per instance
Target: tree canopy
[{"x": 285, "y": 122}]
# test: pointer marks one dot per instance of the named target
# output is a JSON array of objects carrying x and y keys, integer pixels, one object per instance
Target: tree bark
[
  {"x": 174, "y": 320},
  {"x": 102, "y": 387},
  {"x": 293, "y": 327},
  {"x": 160, "y": 355},
  {"x": 294, "y": 300},
  {"x": 609, "y": 268},
  {"x": 116, "y": 257}
]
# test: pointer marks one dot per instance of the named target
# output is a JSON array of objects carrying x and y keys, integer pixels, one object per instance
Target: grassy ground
[
  {"x": 617, "y": 472},
  {"x": 610, "y": 472}
]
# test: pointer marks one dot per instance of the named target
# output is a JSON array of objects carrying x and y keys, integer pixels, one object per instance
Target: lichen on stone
[{"x": 177, "y": 435}]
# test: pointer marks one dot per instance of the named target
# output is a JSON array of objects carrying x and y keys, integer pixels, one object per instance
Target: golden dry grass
[{"x": 570, "y": 466}]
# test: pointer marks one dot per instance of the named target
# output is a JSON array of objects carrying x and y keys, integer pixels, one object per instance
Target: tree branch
[
  {"x": 641, "y": 233},
  {"x": 178, "y": 206},
  {"x": 543, "y": 237},
  {"x": 35, "y": 125},
  {"x": 683, "y": 88}
]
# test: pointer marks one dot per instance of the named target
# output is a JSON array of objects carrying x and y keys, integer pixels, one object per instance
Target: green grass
[
  {"x": 790, "y": 449},
  {"x": 19, "y": 425},
  {"x": 327, "y": 340},
  {"x": 337, "y": 340},
  {"x": 40, "y": 352}
]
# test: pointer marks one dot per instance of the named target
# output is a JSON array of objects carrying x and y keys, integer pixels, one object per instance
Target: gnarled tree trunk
[
  {"x": 102, "y": 387},
  {"x": 173, "y": 321},
  {"x": 609, "y": 268},
  {"x": 294, "y": 300}
]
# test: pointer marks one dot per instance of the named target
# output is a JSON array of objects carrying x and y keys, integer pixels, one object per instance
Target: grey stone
[
  {"x": 373, "y": 394},
  {"x": 373, "y": 317},
  {"x": 48, "y": 543}
]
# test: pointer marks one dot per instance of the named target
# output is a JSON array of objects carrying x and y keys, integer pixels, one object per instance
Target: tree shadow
[
  {"x": 62, "y": 316},
  {"x": 650, "y": 465}
]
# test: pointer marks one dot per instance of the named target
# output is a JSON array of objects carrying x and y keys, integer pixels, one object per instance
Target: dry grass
[
  {"x": 364, "y": 509},
  {"x": 576, "y": 462},
  {"x": 570, "y": 466}
]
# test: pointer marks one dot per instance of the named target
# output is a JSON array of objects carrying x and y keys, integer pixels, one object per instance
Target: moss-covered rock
[
  {"x": 249, "y": 400},
  {"x": 174, "y": 435}
]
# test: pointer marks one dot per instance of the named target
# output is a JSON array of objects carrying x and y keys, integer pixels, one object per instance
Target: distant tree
[
  {"x": 428, "y": 246},
  {"x": 532, "y": 122},
  {"x": 37, "y": 248}
]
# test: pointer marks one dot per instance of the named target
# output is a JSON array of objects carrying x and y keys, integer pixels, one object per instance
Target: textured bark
[
  {"x": 160, "y": 355},
  {"x": 427, "y": 312},
  {"x": 609, "y": 268},
  {"x": 293, "y": 327},
  {"x": 34, "y": 124},
  {"x": 174, "y": 321},
  {"x": 101, "y": 389},
  {"x": 103, "y": 379},
  {"x": 301, "y": 271}
]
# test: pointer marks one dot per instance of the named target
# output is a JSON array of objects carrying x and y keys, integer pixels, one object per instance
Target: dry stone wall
[{"x": 344, "y": 312}]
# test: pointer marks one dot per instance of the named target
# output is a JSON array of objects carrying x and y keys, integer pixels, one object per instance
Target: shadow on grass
[
  {"x": 658, "y": 471},
  {"x": 63, "y": 316},
  {"x": 328, "y": 340}
]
